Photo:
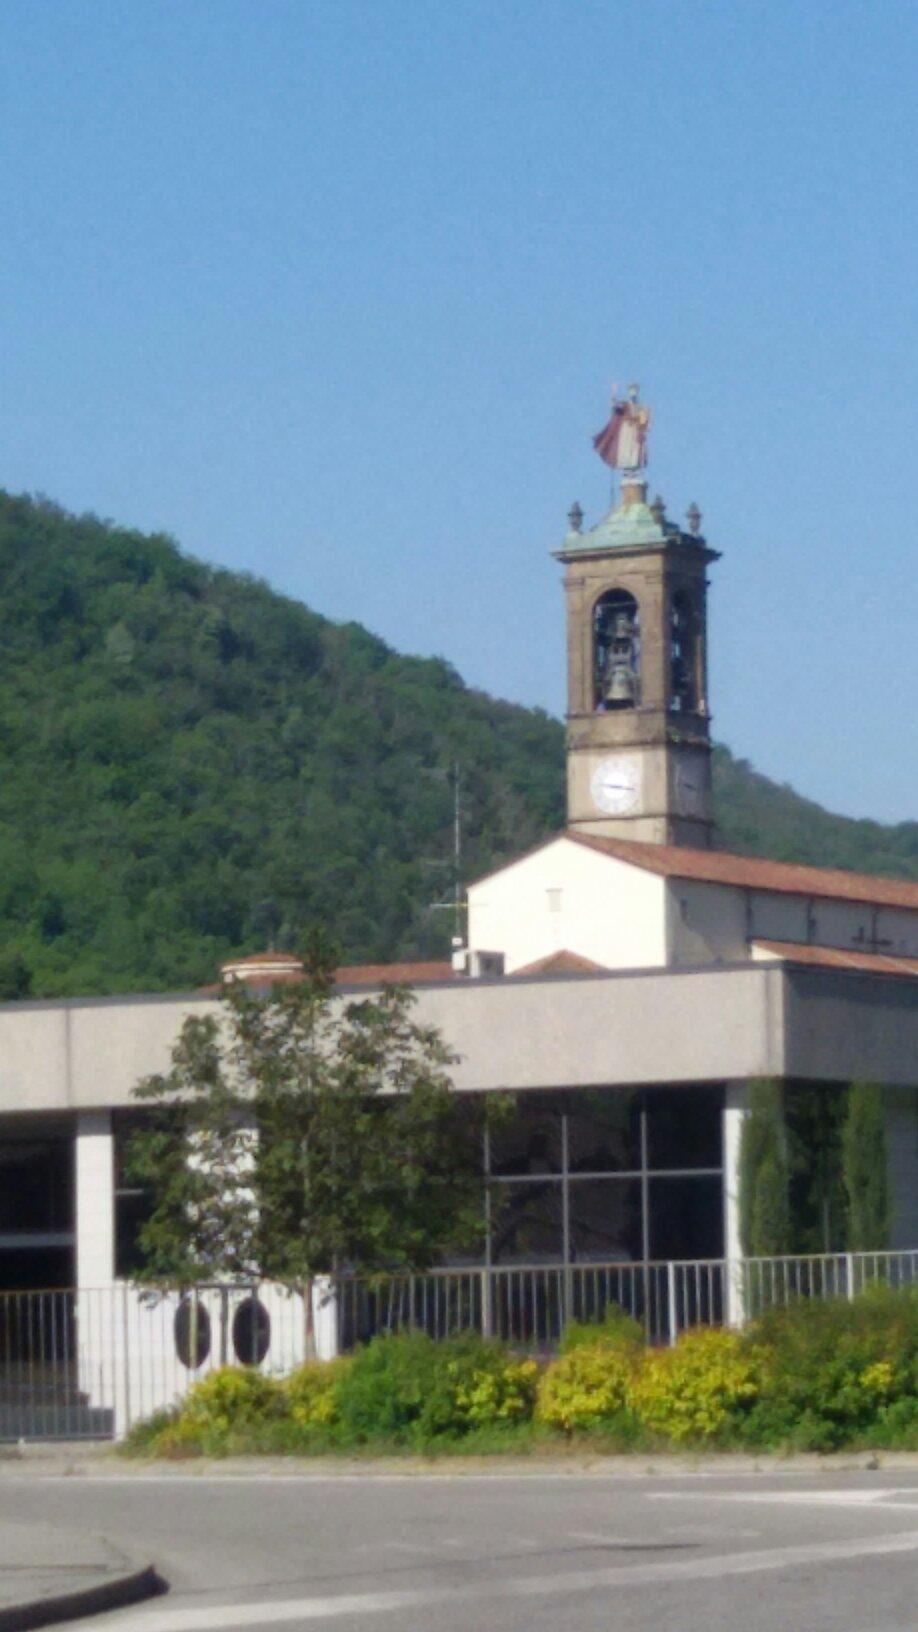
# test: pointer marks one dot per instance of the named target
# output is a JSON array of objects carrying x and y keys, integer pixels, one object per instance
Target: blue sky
[{"x": 334, "y": 291}]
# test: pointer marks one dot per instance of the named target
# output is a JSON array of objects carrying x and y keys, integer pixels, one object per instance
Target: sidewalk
[
  {"x": 48, "y": 1574},
  {"x": 82, "y": 1460}
]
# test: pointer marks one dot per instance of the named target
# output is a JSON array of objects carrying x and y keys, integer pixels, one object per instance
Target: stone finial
[
  {"x": 575, "y": 517},
  {"x": 658, "y": 510},
  {"x": 693, "y": 517}
]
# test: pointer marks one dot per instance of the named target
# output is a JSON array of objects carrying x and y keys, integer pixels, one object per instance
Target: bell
[
  {"x": 622, "y": 629},
  {"x": 620, "y": 688}
]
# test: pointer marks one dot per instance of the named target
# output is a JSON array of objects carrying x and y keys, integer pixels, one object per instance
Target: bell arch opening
[
  {"x": 683, "y": 659},
  {"x": 616, "y": 651}
]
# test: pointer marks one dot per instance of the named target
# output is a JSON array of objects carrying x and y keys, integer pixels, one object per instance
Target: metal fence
[
  {"x": 531, "y": 1304},
  {"x": 89, "y": 1364}
]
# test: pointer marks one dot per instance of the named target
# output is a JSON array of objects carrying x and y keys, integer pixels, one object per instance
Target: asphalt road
[{"x": 823, "y": 1553}]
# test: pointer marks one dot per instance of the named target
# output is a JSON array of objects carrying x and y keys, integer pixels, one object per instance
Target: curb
[{"x": 118, "y": 1593}]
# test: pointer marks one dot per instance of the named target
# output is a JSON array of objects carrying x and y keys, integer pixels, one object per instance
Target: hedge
[{"x": 816, "y": 1376}]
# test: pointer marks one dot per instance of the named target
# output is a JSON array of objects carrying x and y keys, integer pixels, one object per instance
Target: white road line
[
  {"x": 797, "y": 1498},
  {"x": 272, "y": 1612}
]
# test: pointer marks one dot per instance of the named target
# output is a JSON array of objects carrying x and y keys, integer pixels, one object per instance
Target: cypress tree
[
  {"x": 865, "y": 1169},
  {"x": 764, "y": 1199}
]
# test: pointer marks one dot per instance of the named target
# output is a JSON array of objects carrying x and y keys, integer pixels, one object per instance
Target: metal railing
[
  {"x": 531, "y": 1304},
  {"x": 89, "y": 1364}
]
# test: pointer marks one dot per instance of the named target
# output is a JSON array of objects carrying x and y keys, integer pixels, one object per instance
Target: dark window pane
[
  {"x": 526, "y": 1223},
  {"x": 36, "y": 1185},
  {"x": 684, "y": 1127},
  {"x": 603, "y": 1132},
  {"x": 133, "y": 1205},
  {"x": 531, "y": 1141},
  {"x": 686, "y": 1218},
  {"x": 605, "y": 1220},
  {"x": 132, "y": 1209},
  {"x": 33, "y": 1269}
]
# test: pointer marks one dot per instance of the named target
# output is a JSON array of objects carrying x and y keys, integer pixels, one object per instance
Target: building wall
[
  {"x": 567, "y": 896},
  {"x": 842, "y": 1027},
  {"x": 716, "y": 922},
  {"x": 706, "y": 923}
]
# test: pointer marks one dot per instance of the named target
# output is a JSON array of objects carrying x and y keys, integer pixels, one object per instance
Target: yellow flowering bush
[
  {"x": 230, "y": 1398},
  {"x": 878, "y": 1380},
  {"x": 690, "y": 1392},
  {"x": 503, "y": 1392},
  {"x": 586, "y": 1386},
  {"x": 311, "y": 1392}
]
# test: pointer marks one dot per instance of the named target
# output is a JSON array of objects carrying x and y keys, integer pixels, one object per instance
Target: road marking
[
  {"x": 887, "y": 1498},
  {"x": 596, "y": 1540},
  {"x": 273, "y": 1612}
]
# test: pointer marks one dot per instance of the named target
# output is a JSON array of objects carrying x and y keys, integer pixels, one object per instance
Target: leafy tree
[
  {"x": 765, "y": 1220},
  {"x": 297, "y": 1135},
  {"x": 866, "y": 1169},
  {"x": 15, "y": 977},
  {"x": 814, "y": 1113}
]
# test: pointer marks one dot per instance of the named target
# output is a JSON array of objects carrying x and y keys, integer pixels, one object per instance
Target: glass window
[
  {"x": 36, "y": 1185},
  {"x": 684, "y": 1127},
  {"x": 686, "y": 1218},
  {"x": 605, "y": 1220},
  {"x": 603, "y": 1132},
  {"x": 133, "y": 1205},
  {"x": 530, "y": 1142},
  {"x": 526, "y": 1223}
]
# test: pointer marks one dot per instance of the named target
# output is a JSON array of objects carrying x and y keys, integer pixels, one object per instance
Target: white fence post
[{"x": 672, "y": 1316}]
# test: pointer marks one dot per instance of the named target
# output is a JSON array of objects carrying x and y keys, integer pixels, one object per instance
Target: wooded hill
[{"x": 194, "y": 765}]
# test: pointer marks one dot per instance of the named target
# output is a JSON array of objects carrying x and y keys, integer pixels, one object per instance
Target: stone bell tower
[{"x": 638, "y": 739}]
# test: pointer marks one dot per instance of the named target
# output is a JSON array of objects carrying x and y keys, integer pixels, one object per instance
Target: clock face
[
  {"x": 616, "y": 785},
  {"x": 691, "y": 788}
]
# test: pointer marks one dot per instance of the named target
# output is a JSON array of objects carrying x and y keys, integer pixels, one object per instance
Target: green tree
[
  {"x": 297, "y": 1135},
  {"x": 865, "y": 1165},
  {"x": 764, "y": 1198},
  {"x": 814, "y": 1114},
  {"x": 15, "y": 977}
]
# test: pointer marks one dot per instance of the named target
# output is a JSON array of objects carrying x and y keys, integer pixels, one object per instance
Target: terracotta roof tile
[
  {"x": 264, "y": 960},
  {"x": 267, "y": 969},
  {"x": 393, "y": 974},
  {"x": 752, "y": 872},
  {"x": 561, "y": 963},
  {"x": 838, "y": 957}
]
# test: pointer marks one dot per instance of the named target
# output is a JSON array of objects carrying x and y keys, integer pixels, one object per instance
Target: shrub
[
  {"x": 311, "y": 1393},
  {"x": 615, "y": 1327},
  {"x": 832, "y": 1371},
  {"x": 501, "y": 1390},
  {"x": 232, "y": 1398},
  {"x": 695, "y": 1390},
  {"x": 410, "y": 1388},
  {"x": 588, "y": 1386}
]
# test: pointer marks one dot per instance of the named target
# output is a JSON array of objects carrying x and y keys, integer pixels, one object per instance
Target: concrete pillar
[
  {"x": 734, "y": 1115},
  {"x": 95, "y": 1199}
]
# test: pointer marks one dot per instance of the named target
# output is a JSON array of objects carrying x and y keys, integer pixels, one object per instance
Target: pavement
[
  {"x": 827, "y": 1545},
  {"x": 51, "y": 1573}
]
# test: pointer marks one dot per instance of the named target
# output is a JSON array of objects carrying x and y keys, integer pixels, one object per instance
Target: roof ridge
[{"x": 729, "y": 867}]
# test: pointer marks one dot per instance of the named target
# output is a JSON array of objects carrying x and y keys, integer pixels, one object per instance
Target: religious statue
[{"x": 622, "y": 443}]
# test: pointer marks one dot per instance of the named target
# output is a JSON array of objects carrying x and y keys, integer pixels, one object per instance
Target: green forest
[{"x": 194, "y": 765}]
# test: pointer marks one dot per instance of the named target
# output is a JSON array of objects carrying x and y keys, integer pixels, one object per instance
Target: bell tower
[{"x": 638, "y": 723}]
